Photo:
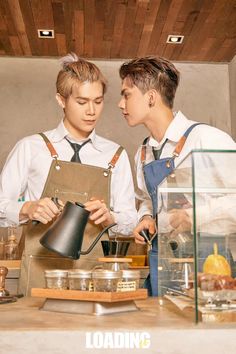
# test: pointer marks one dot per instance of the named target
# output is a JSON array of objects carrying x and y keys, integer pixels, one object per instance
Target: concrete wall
[
  {"x": 232, "y": 87},
  {"x": 27, "y": 100}
]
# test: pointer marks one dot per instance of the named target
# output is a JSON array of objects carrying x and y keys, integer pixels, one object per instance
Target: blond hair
[{"x": 75, "y": 71}]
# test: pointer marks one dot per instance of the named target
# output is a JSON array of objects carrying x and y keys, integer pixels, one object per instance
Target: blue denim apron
[{"x": 154, "y": 173}]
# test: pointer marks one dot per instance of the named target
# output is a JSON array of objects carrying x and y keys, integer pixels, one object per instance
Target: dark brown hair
[
  {"x": 153, "y": 73},
  {"x": 75, "y": 71}
]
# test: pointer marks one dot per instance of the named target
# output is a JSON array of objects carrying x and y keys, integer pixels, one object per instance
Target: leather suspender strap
[
  {"x": 178, "y": 147},
  {"x": 115, "y": 158},
  {"x": 143, "y": 150},
  {"x": 183, "y": 139},
  {"x": 50, "y": 147},
  {"x": 54, "y": 154}
]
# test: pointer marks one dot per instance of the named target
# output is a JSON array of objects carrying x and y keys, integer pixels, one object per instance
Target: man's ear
[
  {"x": 60, "y": 100},
  {"x": 152, "y": 97}
]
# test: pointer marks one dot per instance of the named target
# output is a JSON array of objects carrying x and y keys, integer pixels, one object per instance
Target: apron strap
[
  {"x": 54, "y": 154},
  {"x": 50, "y": 147},
  {"x": 178, "y": 147},
  {"x": 115, "y": 158},
  {"x": 143, "y": 150},
  {"x": 182, "y": 140}
]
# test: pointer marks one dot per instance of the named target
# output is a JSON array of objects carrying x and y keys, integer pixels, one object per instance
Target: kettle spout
[{"x": 91, "y": 247}]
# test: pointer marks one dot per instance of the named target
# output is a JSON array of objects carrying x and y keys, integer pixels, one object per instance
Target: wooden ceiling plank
[
  {"x": 118, "y": 30},
  {"x": 136, "y": 39},
  {"x": 30, "y": 28},
  {"x": 98, "y": 28},
  {"x": 61, "y": 44},
  {"x": 98, "y": 43},
  {"x": 101, "y": 8},
  {"x": 43, "y": 19},
  {"x": 20, "y": 26},
  {"x": 68, "y": 9},
  {"x": 89, "y": 18},
  {"x": 151, "y": 13},
  {"x": 187, "y": 17},
  {"x": 216, "y": 28},
  {"x": 45, "y": 14},
  {"x": 171, "y": 18},
  {"x": 5, "y": 43},
  {"x": 6, "y": 19},
  {"x": 3, "y": 26},
  {"x": 223, "y": 21},
  {"x": 78, "y": 31},
  {"x": 141, "y": 12},
  {"x": 58, "y": 17},
  {"x": 15, "y": 44},
  {"x": 158, "y": 26},
  {"x": 109, "y": 20},
  {"x": 128, "y": 32},
  {"x": 225, "y": 51},
  {"x": 139, "y": 20},
  {"x": 192, "y": 42}
]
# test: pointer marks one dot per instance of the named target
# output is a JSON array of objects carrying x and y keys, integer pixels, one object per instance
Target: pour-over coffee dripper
[{"x": 115, "y": 248}]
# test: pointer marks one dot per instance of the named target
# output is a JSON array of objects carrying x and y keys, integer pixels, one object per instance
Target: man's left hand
[{"x": 99, "y": 213}]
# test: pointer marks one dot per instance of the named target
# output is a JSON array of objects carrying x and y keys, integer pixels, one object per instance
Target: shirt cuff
[{"x": 13, "y": 211}]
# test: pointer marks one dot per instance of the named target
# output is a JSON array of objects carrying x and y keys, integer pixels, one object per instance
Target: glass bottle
[
  {"x": 2, "y": 248},
  {"x": 11, "y": 248}
]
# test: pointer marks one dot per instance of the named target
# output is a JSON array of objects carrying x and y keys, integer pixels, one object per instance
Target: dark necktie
[
  {"x": 157, "y": 152},
  {"x": 76, "y": 148}
]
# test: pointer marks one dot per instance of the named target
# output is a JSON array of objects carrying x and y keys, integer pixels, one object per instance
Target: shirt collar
[
  {"x": 175, "y": 130},
  {"x": 61, "y": 132}
]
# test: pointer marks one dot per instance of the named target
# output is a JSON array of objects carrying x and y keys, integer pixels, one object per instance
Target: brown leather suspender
[{"x": 54, "y": 154}]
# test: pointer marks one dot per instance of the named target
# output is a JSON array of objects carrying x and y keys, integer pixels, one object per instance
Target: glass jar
[
  {"x": 2, "y": 248},
  {"x": 106, "y": 280},
  {"x": 80, "y": 279},
  {"x": 130, "y": 280},
  {"x": 11, "y": 248},
  {"x": 56, "y": 279}
]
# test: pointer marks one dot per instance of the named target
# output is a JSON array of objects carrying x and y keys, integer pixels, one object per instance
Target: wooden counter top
[{"x": 26, "y": 329}]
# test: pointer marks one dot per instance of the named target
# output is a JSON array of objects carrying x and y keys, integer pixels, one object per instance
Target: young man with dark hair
[{"x": 148, "y": 90}]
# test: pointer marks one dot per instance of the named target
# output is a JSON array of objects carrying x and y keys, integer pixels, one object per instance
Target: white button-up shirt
[
  {"x": 27, "y": 166},
  {"x": 201, "y": 137}
]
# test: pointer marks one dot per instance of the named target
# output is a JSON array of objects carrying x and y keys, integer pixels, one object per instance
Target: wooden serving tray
[{"x": 89, "y": 295}]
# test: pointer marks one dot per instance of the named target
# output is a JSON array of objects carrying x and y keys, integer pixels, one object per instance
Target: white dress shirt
[
  {"x": 27, "y": 166},
  {"x": 201, "y": 137}
]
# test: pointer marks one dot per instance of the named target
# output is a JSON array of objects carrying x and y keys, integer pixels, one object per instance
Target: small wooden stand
[
  {"x": 89, "y": 302},
  {"x": 115, "y": 261}
]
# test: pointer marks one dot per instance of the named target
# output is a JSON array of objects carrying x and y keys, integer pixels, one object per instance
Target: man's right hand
[
  {"x": 43, "y": 210},
  {"x": 147, "y": 223}
]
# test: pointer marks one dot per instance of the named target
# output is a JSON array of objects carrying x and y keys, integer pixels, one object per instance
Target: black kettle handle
[{"x": 96, "y": 240}]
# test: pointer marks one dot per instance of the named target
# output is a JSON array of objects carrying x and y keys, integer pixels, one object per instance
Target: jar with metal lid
[
  {"x": 130, "y": 280},
  {"x": 80, "y": 279},
  {"x": 106, "y": 280},
  {"x": 56, "y": 278}
]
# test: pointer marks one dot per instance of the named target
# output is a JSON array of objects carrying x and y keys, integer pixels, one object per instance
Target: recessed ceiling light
[
  {"x": 45, "y": 33},
  {"x": 173, "y": 39}
]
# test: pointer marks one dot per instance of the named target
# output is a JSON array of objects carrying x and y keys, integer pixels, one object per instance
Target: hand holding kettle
[
  {"x": 42, "y": 210},
  {"x": 99, "y": 213}
]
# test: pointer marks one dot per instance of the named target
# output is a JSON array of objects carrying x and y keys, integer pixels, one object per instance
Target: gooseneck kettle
[{"x": 65, "y": 235}]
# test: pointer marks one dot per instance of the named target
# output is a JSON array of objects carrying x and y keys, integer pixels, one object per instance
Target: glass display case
[{"x": 197, "y": 236}]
